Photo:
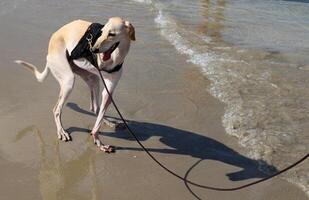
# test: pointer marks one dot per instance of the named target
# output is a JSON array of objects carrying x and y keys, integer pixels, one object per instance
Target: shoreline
[{"x": 240, "y": 77}]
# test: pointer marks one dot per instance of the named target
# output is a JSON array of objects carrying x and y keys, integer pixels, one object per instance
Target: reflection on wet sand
[
  {"x": 58, "y": 177},
  {"x": 214, "y": 18}
]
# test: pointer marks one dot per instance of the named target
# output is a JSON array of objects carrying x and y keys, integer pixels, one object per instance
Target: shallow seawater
[{"x": 255, "y": 54}]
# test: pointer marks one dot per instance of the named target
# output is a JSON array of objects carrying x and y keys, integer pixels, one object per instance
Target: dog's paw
[
  {"x": 64, "y": 136},
  {"x": 110, "y": 123},
  {"x": 120, "y": 125},
  {"x": 94, "y": 109},
  {"x": 18, "y": 61}
]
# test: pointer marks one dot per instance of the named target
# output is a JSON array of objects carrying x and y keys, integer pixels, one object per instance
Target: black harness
[{"x": 83, "y": 48}]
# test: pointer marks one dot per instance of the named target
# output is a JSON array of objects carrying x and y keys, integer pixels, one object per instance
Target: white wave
[
  {"x": 143, "y": 1},
  {"x": 168, "y": 29}
]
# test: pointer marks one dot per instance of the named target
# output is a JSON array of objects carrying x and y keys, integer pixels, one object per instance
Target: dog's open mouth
[{"x": 107, "y": 54}]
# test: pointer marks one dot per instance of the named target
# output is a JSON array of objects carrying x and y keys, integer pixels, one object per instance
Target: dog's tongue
[{"x": 107, "y": 54}]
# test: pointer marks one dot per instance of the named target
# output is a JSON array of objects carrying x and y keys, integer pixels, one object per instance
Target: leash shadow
[{"x": 184, "y": 142}]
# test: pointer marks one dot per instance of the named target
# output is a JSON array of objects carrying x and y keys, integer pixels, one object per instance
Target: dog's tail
[{"x": 40, "y": 76}]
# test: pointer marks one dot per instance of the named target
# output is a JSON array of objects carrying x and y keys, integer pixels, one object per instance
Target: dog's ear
[{"x": 130, "y": 30}]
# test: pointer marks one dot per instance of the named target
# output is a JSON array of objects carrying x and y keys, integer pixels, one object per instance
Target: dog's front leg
[
  {"x": 106, "y": 100},
  {"x": 104, "y": 105}
]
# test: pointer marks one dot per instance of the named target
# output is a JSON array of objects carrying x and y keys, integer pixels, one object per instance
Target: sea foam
[{"x": 231, "y": 77}]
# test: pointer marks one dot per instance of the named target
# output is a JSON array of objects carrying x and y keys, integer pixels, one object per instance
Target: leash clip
[{"x": 89, "y": 39}]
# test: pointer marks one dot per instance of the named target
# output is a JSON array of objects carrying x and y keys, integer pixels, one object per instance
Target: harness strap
[{"x": 83, "y": 48}]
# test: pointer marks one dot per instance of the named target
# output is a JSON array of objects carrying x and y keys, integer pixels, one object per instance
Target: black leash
[
  {"x": 180, "y": 177},
  {"x": 84, "y": 51}
]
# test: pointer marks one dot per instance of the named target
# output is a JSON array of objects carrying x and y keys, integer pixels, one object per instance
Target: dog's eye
[{"x": 111, "y": 34}]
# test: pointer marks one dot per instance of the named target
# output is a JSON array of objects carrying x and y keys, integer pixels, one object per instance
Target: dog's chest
[{"x": 84, "y": 64}]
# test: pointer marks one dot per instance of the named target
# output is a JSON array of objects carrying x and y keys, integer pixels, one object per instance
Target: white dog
[{"x": 111, "y": 46}]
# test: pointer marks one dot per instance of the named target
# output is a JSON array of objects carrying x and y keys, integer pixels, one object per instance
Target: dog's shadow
[{"x": 186, "y": 143}]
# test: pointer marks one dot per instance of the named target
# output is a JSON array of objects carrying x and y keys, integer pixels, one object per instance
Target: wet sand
[{"x": 168, "y": 105}]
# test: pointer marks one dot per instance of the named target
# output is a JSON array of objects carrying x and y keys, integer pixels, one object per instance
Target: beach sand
[{"x": 168, "y": 105}]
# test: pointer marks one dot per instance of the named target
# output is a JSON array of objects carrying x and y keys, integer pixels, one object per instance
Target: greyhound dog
[{"x": 108, "y": 56}]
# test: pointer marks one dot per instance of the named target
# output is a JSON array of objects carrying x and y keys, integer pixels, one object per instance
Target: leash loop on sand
[{"x": 177, "y": 175}]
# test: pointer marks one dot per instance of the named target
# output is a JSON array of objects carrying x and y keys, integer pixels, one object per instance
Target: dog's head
[{"x": 115, "y": 31}]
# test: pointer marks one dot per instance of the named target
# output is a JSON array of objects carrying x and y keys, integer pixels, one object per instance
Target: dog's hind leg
[
  {"x": 66, "y": 87},
  {"x": 64, "y": 75},
  {"x": 93, "y": 83}
]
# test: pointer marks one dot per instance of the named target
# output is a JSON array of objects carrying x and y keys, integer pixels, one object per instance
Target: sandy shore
[{"x": 167, "y": 102}]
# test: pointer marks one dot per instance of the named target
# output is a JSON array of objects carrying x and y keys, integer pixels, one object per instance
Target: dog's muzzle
[{"x": 106, "y": 55}]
